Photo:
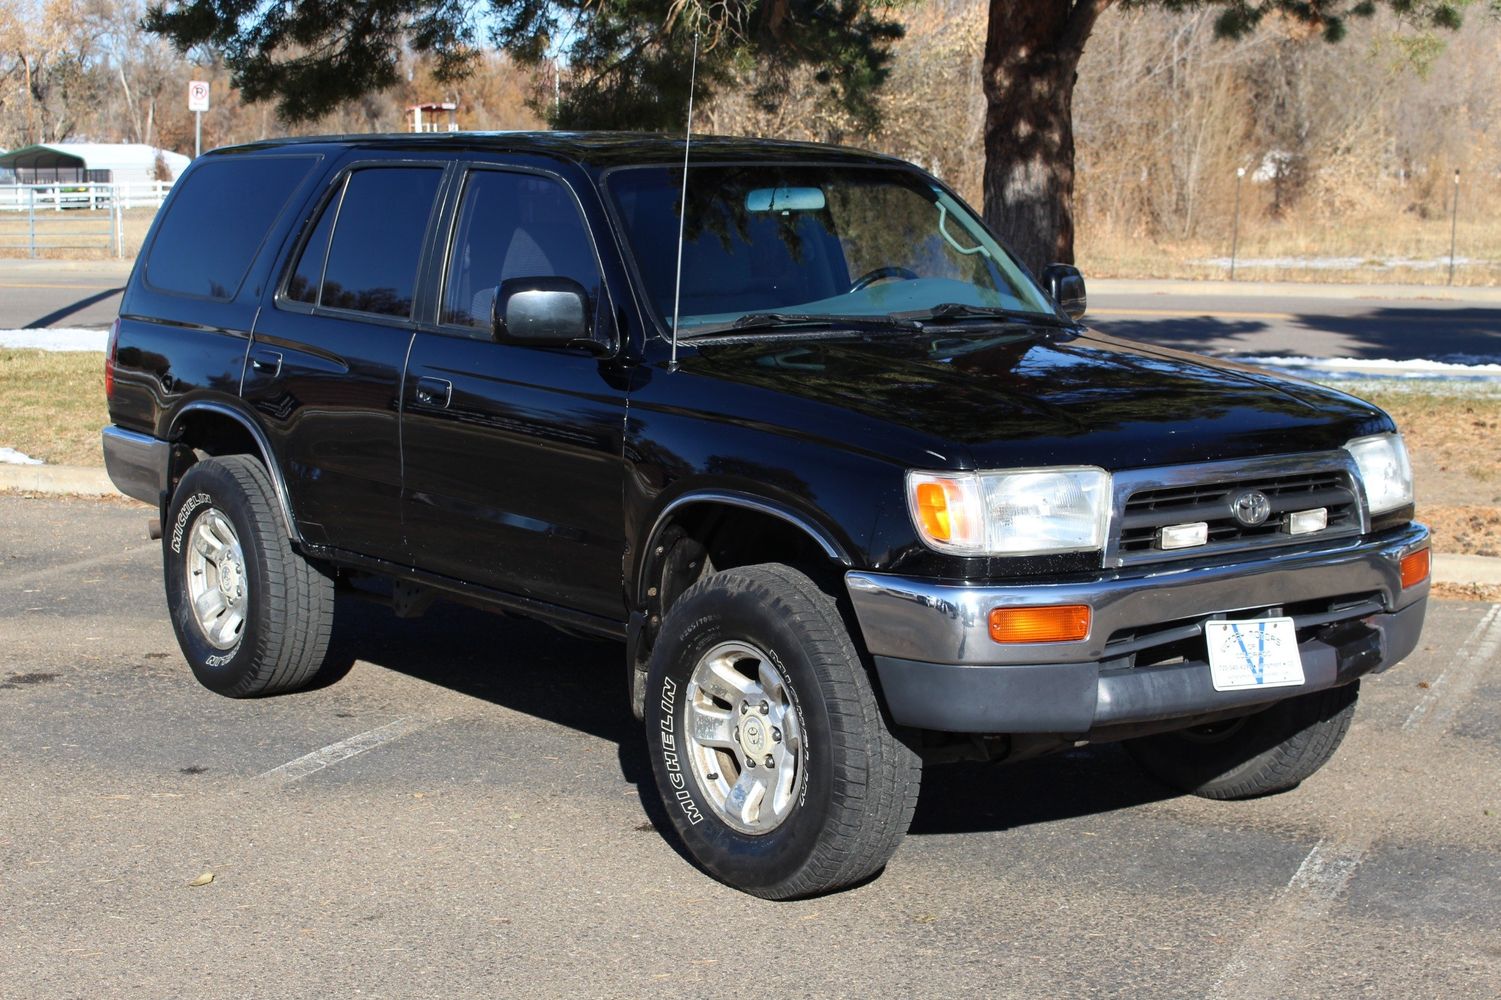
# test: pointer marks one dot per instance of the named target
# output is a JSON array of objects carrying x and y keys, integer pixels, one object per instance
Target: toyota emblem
[{"x": 1251, "y": 508}]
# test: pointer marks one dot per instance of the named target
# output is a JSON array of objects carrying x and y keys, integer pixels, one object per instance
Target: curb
[
  {"x": 1464, "y": 570},
  {"x": 72, "y": 480},
  {"x": 63, "y": 480}
]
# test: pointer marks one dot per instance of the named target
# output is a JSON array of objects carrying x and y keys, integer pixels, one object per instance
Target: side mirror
[
  {"x": 542, "y": 312},
  {"x": 1066, "y": 285}
]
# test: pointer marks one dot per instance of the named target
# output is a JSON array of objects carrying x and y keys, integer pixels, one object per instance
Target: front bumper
[{"x": 939, "y": 668}]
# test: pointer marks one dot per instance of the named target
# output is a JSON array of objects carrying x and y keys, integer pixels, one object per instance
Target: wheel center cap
[
  {"x": 755, "y": 738},
  {"x": 229, "y": 578}
]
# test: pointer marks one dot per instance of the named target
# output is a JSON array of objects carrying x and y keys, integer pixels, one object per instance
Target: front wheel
[
  {"x": 1271, "y": 751},
  {"x": 253, "y": 617},
  {"x": 766, "y": 740}
]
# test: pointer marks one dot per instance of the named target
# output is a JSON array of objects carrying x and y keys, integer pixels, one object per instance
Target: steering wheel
[{"x": 880, "y": 274}]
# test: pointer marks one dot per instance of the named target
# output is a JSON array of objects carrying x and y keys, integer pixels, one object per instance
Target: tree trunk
[{"x": 1032, "y": 50}]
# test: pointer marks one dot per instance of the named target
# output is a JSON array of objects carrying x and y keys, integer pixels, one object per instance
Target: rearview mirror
[
  {"x": 1066, "y": 285},
  {"x": 785, "y": 199},
  {"x": 541, "y": 312}
]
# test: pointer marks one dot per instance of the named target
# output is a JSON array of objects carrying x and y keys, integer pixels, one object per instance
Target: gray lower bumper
[
  {"x": 940, "y": 670},
  {"x": 136, "y": 463}
]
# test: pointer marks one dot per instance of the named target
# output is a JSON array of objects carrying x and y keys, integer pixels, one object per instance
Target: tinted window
[
  {"x": 219, "y": 215},
  {"x": 825, "y": 240},
  {"x": 309, "y": 274},
  {"x": 513, "y": 226},
  {"x": 377, "y": 241}
]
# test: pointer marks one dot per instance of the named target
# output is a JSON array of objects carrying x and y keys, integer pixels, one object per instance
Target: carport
[{"x": 89, "y": 162}]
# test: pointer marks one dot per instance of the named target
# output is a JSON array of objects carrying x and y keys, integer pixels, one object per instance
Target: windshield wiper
[
  {"x": 752, "y": 322},
  {"x": 961, "y": 310}
]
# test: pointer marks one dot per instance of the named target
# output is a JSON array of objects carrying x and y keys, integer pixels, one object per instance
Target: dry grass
[
  {"x": 74, "y": 234},
  {"x": 52, "y": 405},
  {"x": 1486, "y": 592},
  {"x": 1369, "y": 239}
]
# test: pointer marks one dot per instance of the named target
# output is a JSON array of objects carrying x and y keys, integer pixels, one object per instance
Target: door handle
[
  {"x": 268, "y": 362},
  {"x": 434, "y": 391}
]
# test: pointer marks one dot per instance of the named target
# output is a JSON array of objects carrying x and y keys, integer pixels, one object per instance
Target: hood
[{"x": 1007, "y": 399}]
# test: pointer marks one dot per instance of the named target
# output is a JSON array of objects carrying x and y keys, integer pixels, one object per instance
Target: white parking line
[
  {"x": 1258, "y": 967},
  {"x": 316, "y": 761},
  {"x": 1461, "y": 674},
  {"x": 1328, "y": 868}
]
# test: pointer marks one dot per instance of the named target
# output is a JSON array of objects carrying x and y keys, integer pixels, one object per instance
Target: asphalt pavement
[
  {"x": 63, "y": 294},
  {"x": 467, "y": 811},
  {"x": 1211, "y": 317},
  {"x": 1322, "y": 321}
]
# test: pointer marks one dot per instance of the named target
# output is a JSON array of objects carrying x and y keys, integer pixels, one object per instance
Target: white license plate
[{"x": 1251, "y": 654}]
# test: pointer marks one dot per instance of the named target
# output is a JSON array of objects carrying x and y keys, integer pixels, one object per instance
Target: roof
[
  {"x": 94, "y": 156},
  {"x": 595, "y": 149}
]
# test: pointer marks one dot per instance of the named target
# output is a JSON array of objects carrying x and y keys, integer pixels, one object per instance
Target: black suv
[{"x": 854, "y": 490}]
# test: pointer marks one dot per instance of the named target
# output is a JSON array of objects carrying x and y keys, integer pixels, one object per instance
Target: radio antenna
[{"x": 677, "y": 287}]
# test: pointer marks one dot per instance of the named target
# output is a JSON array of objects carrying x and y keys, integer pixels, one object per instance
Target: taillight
[{"x": 109, "y": 358}]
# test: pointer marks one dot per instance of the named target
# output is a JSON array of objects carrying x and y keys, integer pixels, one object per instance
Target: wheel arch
[
  {"x": 699, "y": 506},
  {"x": 218, "y": 428},
  {"x": 709, "y": 530}
]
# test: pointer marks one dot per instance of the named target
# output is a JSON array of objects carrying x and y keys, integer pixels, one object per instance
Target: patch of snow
[
  {"x": 55, "y": 339},
  {"x": 1453, "y": 368},
  {"x": 9, "y": 456}
]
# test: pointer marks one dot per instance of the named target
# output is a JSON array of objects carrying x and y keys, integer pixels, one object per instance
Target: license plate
[{"x": 1251, "y": 654}]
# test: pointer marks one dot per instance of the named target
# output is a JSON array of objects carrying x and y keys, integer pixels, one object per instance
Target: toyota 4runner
[{"x": 854, "y": 491}]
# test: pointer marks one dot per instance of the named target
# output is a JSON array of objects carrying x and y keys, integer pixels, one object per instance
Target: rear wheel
[
  {"x": 1271, "y": 751},
  {"x": 766, "y": 739},
  {"x": 253, "y": 617}
]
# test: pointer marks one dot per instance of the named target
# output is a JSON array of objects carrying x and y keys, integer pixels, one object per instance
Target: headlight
[
  {"x": 1385, "y": 470},
  {"x": 1018, "y": 512}
]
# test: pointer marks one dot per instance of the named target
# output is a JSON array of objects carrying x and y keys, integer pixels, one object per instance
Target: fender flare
[
  {"x": 273, "y": 469},
  {"x": 830, "y": 545}
]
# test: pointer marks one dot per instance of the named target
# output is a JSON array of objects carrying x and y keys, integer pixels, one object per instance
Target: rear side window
[
  {"x": 363, "y": 253},
  {"x": 217, "y": 220}
]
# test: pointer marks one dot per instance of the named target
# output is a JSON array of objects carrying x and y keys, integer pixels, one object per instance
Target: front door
[{"x": 513, "y": 454}]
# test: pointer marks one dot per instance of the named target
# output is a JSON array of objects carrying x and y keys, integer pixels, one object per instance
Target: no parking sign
[{"x": 198, "y": 95}]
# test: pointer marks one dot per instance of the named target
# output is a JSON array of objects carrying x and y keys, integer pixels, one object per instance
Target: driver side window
[{"x": 513, "y": 225}]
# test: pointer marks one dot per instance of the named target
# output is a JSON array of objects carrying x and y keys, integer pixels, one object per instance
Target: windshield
[{"x": 812, "y": 241}]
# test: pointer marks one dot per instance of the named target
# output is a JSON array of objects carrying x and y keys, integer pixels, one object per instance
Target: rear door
[
  {"x": 326, "y": 363},
  {"x": 513, "y": 454}
]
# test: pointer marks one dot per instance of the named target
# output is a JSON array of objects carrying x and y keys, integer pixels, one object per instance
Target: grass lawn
[
  {"x": 52, "y": 407},
  {"x": 1369, "y": 241}
]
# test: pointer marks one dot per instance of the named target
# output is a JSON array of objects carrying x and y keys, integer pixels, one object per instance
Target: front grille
[{"x": 1149, "y": 510}]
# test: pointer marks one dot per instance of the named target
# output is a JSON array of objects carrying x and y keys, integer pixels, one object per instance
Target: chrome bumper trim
[{"x": 934, "y": 622}]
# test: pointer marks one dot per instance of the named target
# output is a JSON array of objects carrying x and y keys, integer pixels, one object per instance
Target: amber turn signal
[
  {"x": 933, "y": 511},
  {"x": 1415, "y": 568},
  {"x": 1054, "y": 623}
]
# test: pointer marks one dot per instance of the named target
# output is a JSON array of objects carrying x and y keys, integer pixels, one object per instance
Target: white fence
[
  {"x": 94, "y": 197},
  {"x": 63, "y": 216}
]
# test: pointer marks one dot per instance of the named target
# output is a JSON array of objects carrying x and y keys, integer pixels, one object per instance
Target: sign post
[{"x": 198, "y": 104}]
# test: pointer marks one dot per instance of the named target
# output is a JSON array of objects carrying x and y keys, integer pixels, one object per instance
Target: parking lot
[{"x": 468, "y": 811}]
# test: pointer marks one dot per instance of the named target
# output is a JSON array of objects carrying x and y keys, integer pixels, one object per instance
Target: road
[
  {"x": 1315, "y": 322},
  {"x": 498, "y": 835},
  {"x": 1206, "y": 317},
  {"x": 60, "y": 294}
]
